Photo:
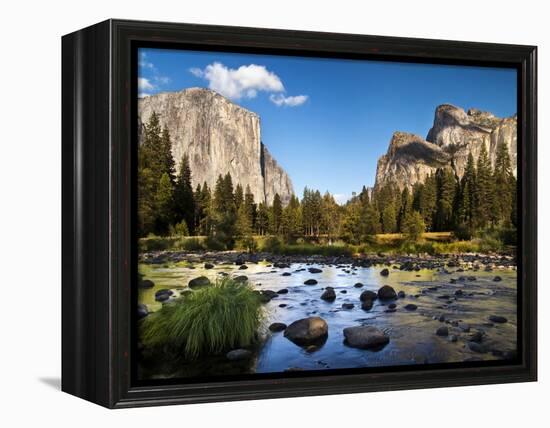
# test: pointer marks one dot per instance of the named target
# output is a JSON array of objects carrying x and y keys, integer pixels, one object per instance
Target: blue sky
[{"x": 327, "y": 121}]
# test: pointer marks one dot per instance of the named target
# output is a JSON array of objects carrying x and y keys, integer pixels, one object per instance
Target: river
[{"x": 412, "y": 332}]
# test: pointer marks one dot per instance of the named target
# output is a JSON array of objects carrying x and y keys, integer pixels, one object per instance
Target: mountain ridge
[
  {"x": 454, "y": 134},
  {"x": 219, "y": 137}
]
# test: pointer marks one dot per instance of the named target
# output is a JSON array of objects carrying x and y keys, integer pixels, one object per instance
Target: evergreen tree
[
  {"x": 413, "y": 226},
  {"x": 389, "y": 219},
  {"x": 146, "y": 202},
  {"x": 262, "y": 220},
  {"x": 505, "y": 185},
  {"x": 428, "y": 200},
  {"x": 484, "y": 191},
  {"x": 224, "y": 211},
  {"x": 164, "y": 204},
  {"x": 276, "y": 215},
  {"x": 330, "y": 216},
  {"x": 291, "y": 222},
  {"x": 184, "y": 198},
  {"x": 371, "y": 221},
  {"x": 250, "y": 206},
  {"x": 351, "y": 222},
  {"x": 239, "y": 196},
  {"x": 168, "y": 164},
  {"x": 206, "y": 221},
  {"x": 466, "y": 203},
  {"x": 446, "y": 187},
  {"x": 405, "y": 209}
]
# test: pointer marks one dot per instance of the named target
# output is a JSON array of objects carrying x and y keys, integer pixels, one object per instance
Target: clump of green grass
[{"x": 208, "y": 321}]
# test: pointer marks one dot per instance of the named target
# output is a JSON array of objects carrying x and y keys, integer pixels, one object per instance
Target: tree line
[{"x": 169, "y": 205}]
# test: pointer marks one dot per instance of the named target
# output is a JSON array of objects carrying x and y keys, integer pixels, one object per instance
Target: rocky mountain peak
[
  {"x": 455, "y": 133},
  {"x": 219, "y": 137}
]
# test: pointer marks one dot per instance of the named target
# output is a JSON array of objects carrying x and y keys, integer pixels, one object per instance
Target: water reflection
[{"x": 454, "y": 299}]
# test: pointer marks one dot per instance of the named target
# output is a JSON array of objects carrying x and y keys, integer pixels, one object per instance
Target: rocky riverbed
[{"x": 344, "y": 312}]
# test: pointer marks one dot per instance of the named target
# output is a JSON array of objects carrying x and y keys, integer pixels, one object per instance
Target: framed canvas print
[{"x": 252, "y": 213}]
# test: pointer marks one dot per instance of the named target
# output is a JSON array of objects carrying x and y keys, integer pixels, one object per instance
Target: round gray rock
[
  {"x": 238, "y": 354},
  {"x": 199, "y": 282},
  {"x": 365, "y": 337},
  {"x": 386, "y": 293},
  {"x": 307, "y": 331}
]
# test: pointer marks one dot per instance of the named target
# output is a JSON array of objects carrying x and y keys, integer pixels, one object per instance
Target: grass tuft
[{"x": 208, "y": 321}]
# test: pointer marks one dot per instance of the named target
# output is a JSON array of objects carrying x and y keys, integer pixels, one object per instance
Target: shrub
[
  {"x": 155, "y": 243},
  {"x": 490, "y": 244},
  {"x": 180, "y": 229},
  {"x": 210, "y": 320},
  {"x": 191, "y": 244},
  {"x": 272, "y": 244},
  {"x": 214, "y": 243},
  {"x": 463, "y": 232},
  {"x": 247, "y": 243}
]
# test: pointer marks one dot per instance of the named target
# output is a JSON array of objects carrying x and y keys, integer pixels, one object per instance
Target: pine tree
[
  {"x": 239, "y": 196},
  {"x": 262, "y": 220},
  {"x": 146, "y": 202},
  {"x": 389, "y": 219},
  {"x": 428, "y": 200},
  {"x": 330, "y": 216},
  {"x": 466, "y": 203},
  {"x": 446, "y": 187},
  {"x": 505, "y": 185},
  {"x": 351, "y": 222},
  {"x": 413, "y": 226},
  {"x": 291, "y": 222},
  {"x": 405, "y": 209},
  {"x": 276, "y": 215},
  {"x": 164, "y": 204},
  {"x": 224, "y": 211},
  {"x": 250, "y": 206},
  {"x": 168, "y": 164},
  {"x": 371, "y": 221},
  {"x": 484, "y": 191},
  {"x": 184, "y": 198},
  {"x": 205, "y": 219}
]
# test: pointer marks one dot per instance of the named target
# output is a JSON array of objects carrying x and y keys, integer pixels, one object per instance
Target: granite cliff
[
  {"x": 219, "y": 137},
  {"x": 454, "y": 134}
]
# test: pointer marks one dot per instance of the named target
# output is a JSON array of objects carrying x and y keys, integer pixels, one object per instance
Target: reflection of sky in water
[{"x": 412, "y": 334}]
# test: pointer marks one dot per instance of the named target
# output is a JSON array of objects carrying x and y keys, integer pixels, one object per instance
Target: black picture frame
[{"x": 98, "y": 234}]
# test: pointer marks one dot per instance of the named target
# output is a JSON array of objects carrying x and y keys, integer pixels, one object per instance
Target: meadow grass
[{"x": 211, "y": 320}]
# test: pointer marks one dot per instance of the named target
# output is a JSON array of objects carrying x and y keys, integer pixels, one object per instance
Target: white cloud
[
  {"x": 341, "y": 198},
  {"x": 291, "y": 101},
  {"x": 244, "y": 81},
  {"x": 144, "y": 63},
  {"x": 197, "y": 72},
  {"x": 144, "y": 84}
]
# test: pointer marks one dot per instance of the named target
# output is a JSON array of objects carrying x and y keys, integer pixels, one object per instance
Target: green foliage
[
  {"x": 216, "y": 242},
  {"x": 291, "y": 221},
  {"x": 389, "y": 219},
  {"x": 272, "y": 244},
  {"x": 247, "y": 243},
  {"x": 184, "y": 197},
  {"x": 180, "y": 229},
  {"x": 484, "y": 190},
  {"x": 154, "y": 161},
  {"x": 191, "y": 244},
  {"x": 413, "y": 226},
  {"x": 262, "y": 219},
  {"x": 463, "y": 232},
  {"x": 207, "y": 321},
  {"x": 164, "y": 204},
  {"x": 276, "y": 217}
]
